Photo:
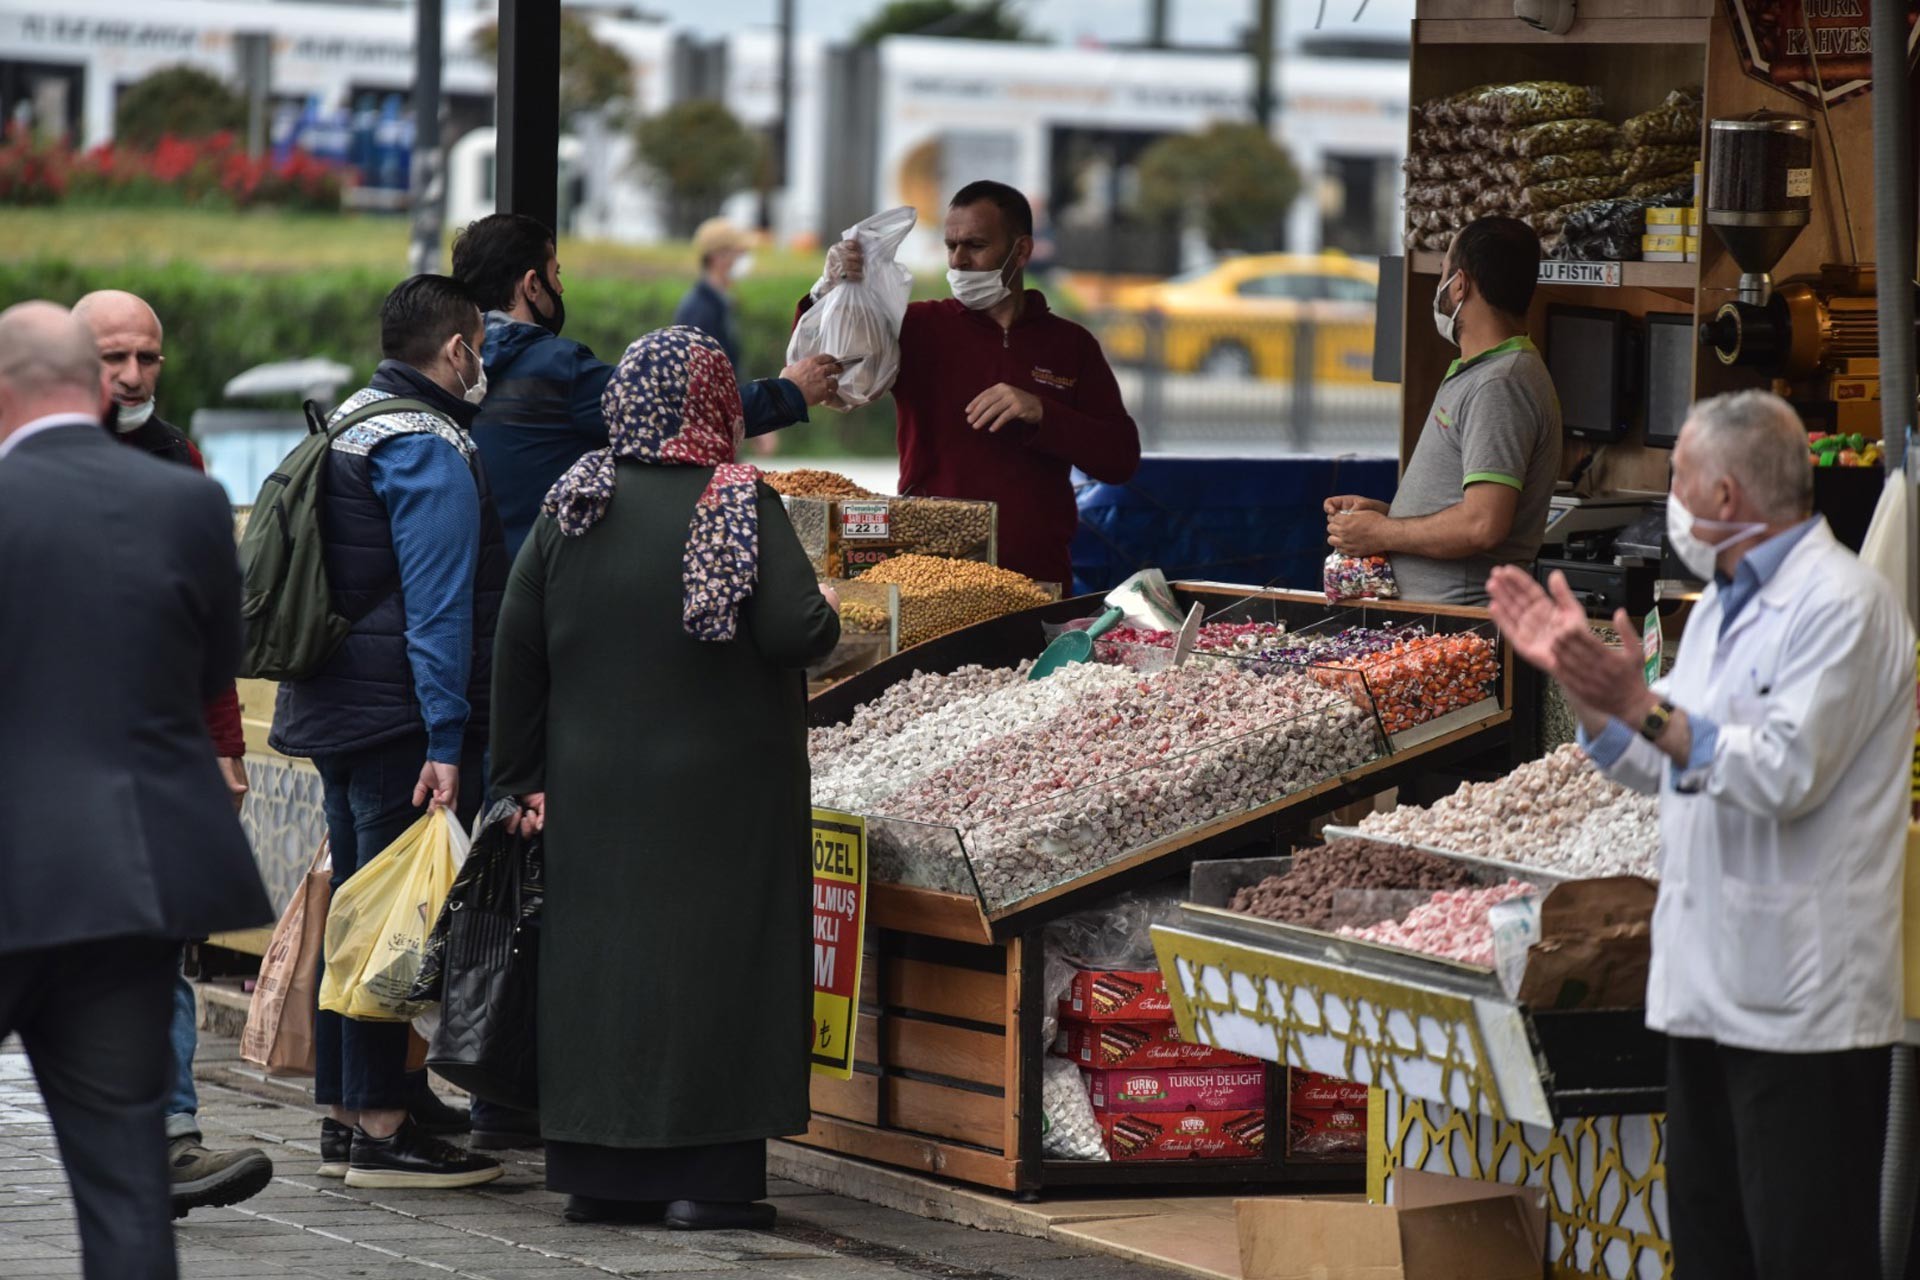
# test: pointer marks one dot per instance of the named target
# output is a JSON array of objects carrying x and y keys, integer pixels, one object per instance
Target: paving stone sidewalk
[{"x": 303, "y": 1226}]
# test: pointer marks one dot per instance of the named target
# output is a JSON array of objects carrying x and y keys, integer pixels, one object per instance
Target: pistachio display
[
  {"x": 939, "y": 595},
  {"x": 936, "y": 527}
]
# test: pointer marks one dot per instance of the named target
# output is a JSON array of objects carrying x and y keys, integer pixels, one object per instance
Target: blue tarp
[{"x": 1253, "y": 520}]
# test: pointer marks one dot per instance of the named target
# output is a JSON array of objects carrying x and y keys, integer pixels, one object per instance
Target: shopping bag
[
  {"x": 484, "y": 967},
  {"x": 862, "y": 318},
  {"x": 279, "y": 1030},
  {"x": 377, "y": 926}
]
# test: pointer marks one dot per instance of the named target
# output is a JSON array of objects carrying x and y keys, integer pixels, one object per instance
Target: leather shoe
[
  {"x": 435, "y": 1115},
  {"x": 411, "y": 1158},
  {"x": 719, "y": 1215},
  {"x": 597, "y": 1209},
  {"x": 336, "y": 1148}
]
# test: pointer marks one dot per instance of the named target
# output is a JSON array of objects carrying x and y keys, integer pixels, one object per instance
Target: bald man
[
  {"x": 128, "y": 338},
  {"x": 119, "y": 619}
]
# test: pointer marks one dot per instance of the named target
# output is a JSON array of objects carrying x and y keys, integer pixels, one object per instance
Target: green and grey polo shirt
[{"x": 1495, "y": 420}]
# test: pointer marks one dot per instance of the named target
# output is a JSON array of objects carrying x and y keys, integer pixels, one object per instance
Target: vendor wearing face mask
[
  {"x": 1477, "y": 489},
  {"x": 998, "y": 398}
]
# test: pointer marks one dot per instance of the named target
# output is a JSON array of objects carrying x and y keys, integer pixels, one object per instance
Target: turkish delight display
[
  {"x": 1326, "y": 1118},
  {"x": 1139, "y": 1044},
  {"x": 1452, "y": 925},
  {"x": 1179, "y": 1089},
  {"x": 1185, "y": 1135},
  {"x": 1557, "y": 813},
  {"x": 1310, "y": 893},
  {"x": 1117, "y": 995}
]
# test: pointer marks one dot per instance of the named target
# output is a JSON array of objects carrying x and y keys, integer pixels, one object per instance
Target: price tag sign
[
  {"x": 839, "y": 920},
  {"x": 866, "y": 520},
  {"x": 1651, "y": 645},
  {"x": 1606, "y": 274}
]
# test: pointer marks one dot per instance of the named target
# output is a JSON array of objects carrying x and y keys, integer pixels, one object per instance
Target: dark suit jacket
[{"x": 119, "y": 620}]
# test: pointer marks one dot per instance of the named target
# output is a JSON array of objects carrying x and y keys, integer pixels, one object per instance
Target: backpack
[{"x": 285, "y": 602}]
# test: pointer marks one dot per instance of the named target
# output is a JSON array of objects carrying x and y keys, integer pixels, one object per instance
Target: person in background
[
  {"x": 663, "y": 613},
  {"x": 128, "y": 337},
  {"x": 120, "y": 621},
  {"x": 998, "y": 398},
  {"x": 1477, "y": 490},
  {"x": 1779, "y": 746},
  {"x": 542, "y": 411},
  {"x": 397, "y": 716},
  {"x": 726, "y": 256}
]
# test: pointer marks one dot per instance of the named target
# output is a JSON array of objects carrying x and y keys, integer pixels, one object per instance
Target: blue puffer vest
[{"x": 364, "y": 695}]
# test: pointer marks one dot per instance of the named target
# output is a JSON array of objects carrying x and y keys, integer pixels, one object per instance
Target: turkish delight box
[
  {"x": 1185, "y": 1135},
  {"x": 1110, "y": 1045},
  {"x": 1179, "y": 1089},
  {"x": 1117, "y": 995}
]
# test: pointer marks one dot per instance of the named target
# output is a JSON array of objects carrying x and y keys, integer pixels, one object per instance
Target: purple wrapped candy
[{"x": 1358, "y": 578}]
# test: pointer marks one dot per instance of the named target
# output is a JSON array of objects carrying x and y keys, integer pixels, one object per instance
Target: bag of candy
[{"x": 1358, "y": 578}]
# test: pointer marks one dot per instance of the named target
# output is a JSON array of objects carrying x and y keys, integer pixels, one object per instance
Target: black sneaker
[
  {"x": 336, "y": 1149},
  {"x": 501, "y": 1129},
  {"x": 203, "y": 1179},
  {"x": 411, "y": 1158}
]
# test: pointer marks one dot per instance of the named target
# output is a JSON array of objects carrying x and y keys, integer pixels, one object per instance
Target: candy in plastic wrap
[
  {"x": 1675, "y": 120},
  {"x": 1358, "y": 578}
]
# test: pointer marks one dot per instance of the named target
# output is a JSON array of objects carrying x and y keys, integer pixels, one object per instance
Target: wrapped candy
[{"x": 1347, "y": 577}]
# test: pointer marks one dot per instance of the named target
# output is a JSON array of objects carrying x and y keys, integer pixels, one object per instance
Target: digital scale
[{"x": 1610, "y": 547}]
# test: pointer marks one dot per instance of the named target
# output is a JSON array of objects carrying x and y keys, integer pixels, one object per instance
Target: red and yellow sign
[
  {"x": 1775, "y": 36},
  {"x": 839, "y": 919}
]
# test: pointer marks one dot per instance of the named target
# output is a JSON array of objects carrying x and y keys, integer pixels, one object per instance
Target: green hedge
[{"x": 218, "y": 325}]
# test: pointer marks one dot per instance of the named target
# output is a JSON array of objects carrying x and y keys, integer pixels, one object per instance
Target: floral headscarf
[{"x": 673, "y": 402}]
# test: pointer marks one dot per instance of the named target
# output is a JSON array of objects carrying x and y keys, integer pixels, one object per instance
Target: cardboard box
[
  {"x": 1117, "y": 995},
  {"x": 1442, "y": 1229},
  {"x": 1115, "y": 1045},
  {"x": 1185, "y": 1135},
  {"x": 1326, "y": 1118},
  {"x": 1595, "y": 945},
  {"x": 1179, "y": 1089},
  {"x": 1310, "y": 1091}
]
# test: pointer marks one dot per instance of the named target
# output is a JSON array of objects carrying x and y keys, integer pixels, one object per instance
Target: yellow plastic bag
[{"x": 378, "y": 924}]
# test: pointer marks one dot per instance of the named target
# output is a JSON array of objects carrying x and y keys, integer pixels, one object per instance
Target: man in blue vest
[
  {"x": 543, "y": 410},
  {"x": 396, "y": 718}
]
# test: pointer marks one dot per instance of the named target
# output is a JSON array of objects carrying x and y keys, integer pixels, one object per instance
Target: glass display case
[{"x": 844, "y": 537}]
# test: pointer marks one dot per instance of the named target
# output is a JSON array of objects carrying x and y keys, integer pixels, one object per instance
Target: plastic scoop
[{"x": 1070, "y": 647}]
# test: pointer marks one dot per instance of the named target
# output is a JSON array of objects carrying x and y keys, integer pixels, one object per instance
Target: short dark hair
[
  {"x": 1502, "y": 257},
  {"x": 421, "y": 314},
  {"x": 492, "y": 255},
  {"x": 1012, "y": 205}
]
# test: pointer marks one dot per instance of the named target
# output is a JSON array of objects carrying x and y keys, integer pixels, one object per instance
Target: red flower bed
[{"x": 215, "y": 170}]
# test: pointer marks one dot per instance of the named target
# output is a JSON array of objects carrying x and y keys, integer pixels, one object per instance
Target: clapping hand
[{"x": 1548, "y": 627}]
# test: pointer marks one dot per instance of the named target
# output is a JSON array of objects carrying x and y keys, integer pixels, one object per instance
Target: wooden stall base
[{"x": 911, "y": 1151}]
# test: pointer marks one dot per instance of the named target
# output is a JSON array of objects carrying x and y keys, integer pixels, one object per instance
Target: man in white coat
[{"x": 1780, "y": 746}]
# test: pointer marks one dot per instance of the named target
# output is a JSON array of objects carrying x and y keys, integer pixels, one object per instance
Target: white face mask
[
  {"x": 478, "y": 391},
  {"x": 1694, "y": 551},
  {"x": 133, "y": 416},
  {"x": 742, "y": 267},
  {"x": 980, "y": 290},
  {"x": 1444, "y": 322}
]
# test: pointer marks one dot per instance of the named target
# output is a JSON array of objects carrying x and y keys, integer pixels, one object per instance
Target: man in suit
[{"x": 119, "y": 619}]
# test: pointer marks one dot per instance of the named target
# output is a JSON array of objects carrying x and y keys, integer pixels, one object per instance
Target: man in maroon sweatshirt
[{"x": 998, "y": 398}]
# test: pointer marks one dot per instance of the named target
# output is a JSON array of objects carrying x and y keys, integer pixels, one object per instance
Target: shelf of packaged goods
[{"x": 1633, "y": 275}]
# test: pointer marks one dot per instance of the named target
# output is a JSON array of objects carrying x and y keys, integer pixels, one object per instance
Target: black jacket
[{"x": 119, "y": 620}]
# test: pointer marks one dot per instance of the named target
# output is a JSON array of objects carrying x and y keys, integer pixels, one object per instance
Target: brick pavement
[{"x": 308, "y": 1227}]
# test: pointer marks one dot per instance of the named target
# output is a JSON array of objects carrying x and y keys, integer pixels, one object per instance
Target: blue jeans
[
  {"x": 183, "y": 1104},
  {"x": 368, "y": 799}
]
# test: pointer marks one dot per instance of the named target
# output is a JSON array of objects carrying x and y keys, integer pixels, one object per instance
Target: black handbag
[{"x": 486, "y": 968}]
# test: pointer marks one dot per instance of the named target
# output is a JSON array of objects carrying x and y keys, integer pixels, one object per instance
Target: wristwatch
[{"x": 1657, "y": 720}]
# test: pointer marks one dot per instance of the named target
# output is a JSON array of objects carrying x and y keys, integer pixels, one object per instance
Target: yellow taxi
[{"x": 1236, "y": 318}]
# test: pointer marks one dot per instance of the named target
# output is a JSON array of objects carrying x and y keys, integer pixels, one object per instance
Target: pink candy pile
[{"x": 1450, "y": 924}]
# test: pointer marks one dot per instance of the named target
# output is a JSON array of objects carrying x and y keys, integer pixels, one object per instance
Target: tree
[
  {"x": 183, "y": 101},
  {"x": 1233, "y": 180},
  {"x": 594, "y": 76},
  {"x": 959, "y": 19},
  {"x": 697, "y": 154}
]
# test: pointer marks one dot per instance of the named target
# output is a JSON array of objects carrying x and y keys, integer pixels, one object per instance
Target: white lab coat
[{"x": 1778, "y": 921}]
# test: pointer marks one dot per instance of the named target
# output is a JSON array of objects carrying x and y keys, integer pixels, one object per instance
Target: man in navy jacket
[{"x": 542, "y": 410}]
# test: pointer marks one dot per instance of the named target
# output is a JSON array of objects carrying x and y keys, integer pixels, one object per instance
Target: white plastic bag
[
  {"x": 862, "y": 318},
  {"x": 1068, "y": 1128}
]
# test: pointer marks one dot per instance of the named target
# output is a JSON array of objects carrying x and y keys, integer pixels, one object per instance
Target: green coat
[{"x": 675, "y": 981}]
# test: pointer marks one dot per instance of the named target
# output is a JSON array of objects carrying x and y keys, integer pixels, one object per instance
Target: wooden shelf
[{"x": 1633, "y": 275}]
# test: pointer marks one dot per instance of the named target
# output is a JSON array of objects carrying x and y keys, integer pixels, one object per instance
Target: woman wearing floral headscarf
[{"x": 650, "y": 711}]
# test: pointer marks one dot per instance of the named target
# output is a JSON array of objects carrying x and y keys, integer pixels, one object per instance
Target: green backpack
[{"x": 291, "y": 625}]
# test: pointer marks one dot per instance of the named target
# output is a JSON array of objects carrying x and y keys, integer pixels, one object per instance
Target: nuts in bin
[
  {"x": 938, "y": 595},
  {"x": 857, "y": 615},
  {"x": 934, "y": 527},
  {"x": 810, "y": 482}
]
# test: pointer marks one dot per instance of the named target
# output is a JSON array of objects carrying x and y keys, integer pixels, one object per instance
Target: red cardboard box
[
  {"x": 1112, "y": 1045},
  {"x": 1185, "y": 1135},
  {"x": 1326, "y": 1118},
  {"x": 1179, "y": 1089},
  {"x": 1309, "y": 1091},
  {"x": 1117, "y": 995}
]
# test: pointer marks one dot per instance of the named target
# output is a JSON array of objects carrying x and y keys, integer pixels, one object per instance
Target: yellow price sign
[{"x": 839, "y": 924}]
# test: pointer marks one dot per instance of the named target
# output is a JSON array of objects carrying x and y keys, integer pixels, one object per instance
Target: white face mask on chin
[
  {"x": 980, "y": 290},
  {"x": 1695, "y": 552},
  {"x": 475, "y": 393},
  {"x": 133, "y": 416}
]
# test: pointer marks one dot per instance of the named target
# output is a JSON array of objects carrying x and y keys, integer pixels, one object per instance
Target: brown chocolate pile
[{"x": 1305, "y": 895}]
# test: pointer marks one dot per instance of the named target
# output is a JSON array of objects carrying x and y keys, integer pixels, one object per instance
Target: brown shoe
[{"x": 204, "y": 1179}]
